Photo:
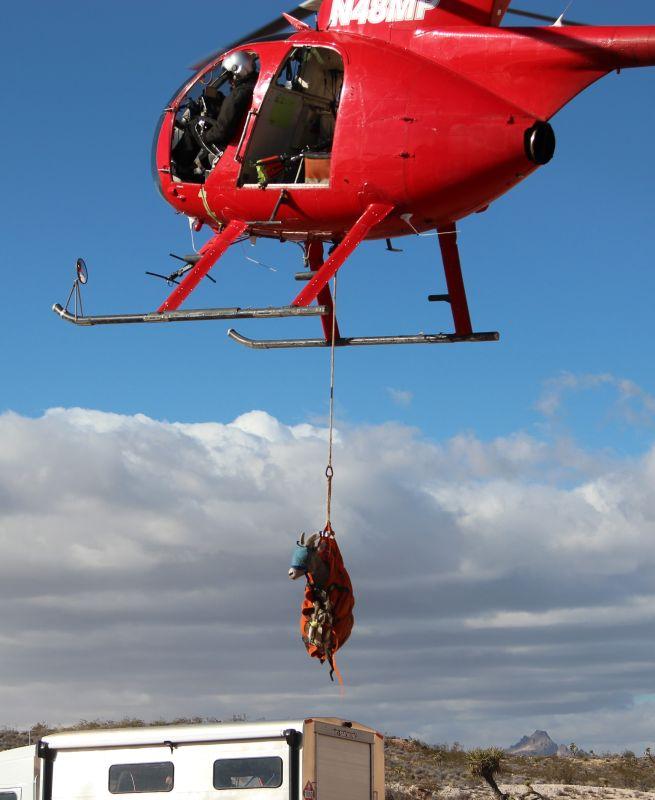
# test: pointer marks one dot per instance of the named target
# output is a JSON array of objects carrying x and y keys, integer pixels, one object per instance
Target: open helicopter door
[{"x": 291, "y": 142}]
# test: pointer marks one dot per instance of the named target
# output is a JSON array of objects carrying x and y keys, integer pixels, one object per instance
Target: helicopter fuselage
[{"x": 438, "y": 124}]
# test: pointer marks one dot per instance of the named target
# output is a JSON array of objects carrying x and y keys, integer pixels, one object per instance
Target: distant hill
[{"x": 539, "y": 744}]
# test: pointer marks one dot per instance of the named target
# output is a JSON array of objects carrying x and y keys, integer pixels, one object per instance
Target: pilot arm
[{"x": 232, "y": 112}]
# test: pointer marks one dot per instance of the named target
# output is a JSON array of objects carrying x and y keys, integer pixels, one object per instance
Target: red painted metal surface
[
  {"x": 433, "y": 124},
  {"x": 432, "y": 120},
  {"x": 373, "y": 215},
  {"x": 453, "y": 269},
  {"x": 366, "y": 20},
  {"x": 324, "y": 297},
  {"x": 540, "y": 69},
  {"x": 210, "y": 253}
]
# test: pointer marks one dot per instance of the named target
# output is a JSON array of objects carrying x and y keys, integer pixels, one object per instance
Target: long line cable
[{"x": 329, "y": 472}]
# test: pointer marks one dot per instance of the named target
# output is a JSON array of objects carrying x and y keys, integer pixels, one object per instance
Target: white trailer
[
  {"x": 18, "y": 773},
  {"x": 312, "y": 759}
]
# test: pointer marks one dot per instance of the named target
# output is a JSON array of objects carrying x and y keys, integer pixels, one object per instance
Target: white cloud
[
  {"x": 632, "y": 405},
  {"x": 144, "y": 569},
  {"x": 400, "y": 397},
  {"x": 635, "y": 610}
]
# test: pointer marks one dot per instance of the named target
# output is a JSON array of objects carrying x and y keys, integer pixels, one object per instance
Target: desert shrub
[{"x": 486, "y": 764}]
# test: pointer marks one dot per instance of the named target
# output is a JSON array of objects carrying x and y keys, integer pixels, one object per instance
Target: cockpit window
[{"x": 208, "y": 118}]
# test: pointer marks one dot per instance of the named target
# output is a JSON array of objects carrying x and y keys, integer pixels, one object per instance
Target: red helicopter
[{"x": 388, "y": 118}]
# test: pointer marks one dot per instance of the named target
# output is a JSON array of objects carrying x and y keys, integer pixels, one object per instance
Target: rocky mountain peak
[{"x": 539, "y": 744}]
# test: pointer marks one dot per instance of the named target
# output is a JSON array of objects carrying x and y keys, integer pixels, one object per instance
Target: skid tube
[
  {"x": 364, "y": 341},
  {"x": 197, "y": 315}
]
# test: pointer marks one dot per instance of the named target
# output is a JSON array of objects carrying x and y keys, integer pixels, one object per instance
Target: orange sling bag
[{"x": 326, "y": 619}]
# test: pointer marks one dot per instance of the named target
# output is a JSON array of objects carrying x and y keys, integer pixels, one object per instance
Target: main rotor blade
[
  {"x": 541, "y": 17},
  {"x": 274, "y": 28}
]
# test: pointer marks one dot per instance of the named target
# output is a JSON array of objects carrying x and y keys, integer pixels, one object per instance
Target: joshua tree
[{"x": 487, "y": 764}]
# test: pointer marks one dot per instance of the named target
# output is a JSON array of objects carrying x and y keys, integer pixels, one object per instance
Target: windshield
[
  {"x": 191, "y": 89},
  {"x": 156, "y": 175},
  {"x": 205, "y": 117}
]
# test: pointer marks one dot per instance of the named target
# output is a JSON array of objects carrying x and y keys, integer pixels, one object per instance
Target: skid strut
[
  {"x": 374, "y": 214},
  {"x": 453, "y": 268},
  {"x": 209, "y": 255},
  {"x": 314, "y": 253}
]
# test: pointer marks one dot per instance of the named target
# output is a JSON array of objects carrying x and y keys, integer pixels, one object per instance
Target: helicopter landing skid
[
  {"x": 363, "y": 341},
  {"x": 197, "y": 315}
]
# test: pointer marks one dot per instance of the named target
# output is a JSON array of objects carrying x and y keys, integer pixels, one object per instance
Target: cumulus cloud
[
  {"x": 632, "y": 404},
  {"x": 400, "y": 397},
  {"x": 501, "y": 585}
]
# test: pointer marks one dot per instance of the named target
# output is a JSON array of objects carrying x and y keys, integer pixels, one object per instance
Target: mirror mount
[{"x": 81, "y": 279}]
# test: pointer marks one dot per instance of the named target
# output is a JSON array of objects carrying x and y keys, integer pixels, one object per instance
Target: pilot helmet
[{"x": 239, "y": 64}]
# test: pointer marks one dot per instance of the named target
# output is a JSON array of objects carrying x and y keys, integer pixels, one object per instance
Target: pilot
[
  {"x": 186, "y": 148},
  {"x": 242, "y": 68}
]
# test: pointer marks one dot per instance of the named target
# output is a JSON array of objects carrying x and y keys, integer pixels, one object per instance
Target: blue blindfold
[{"x": 300, "y": 558}]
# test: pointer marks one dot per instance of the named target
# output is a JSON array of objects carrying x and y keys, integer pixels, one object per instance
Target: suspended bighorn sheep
[
  {"x": 326, "y": 619},
  {"x": 307, "y": 561}
]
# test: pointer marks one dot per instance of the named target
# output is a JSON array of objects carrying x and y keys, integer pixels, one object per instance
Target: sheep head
[{"x": 306, "y": 559}]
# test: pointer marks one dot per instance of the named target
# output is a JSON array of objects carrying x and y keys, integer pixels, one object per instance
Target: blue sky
[{"x": 560, "y": 412}]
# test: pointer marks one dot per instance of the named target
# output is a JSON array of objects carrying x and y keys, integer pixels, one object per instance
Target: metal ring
[{"x": 329, "y": 472}]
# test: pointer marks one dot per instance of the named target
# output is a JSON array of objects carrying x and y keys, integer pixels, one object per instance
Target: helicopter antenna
[
  {"x": 174, "y": 278},
  {"x": 560, "y": 20},
  {"x": 254, "y": 260}
]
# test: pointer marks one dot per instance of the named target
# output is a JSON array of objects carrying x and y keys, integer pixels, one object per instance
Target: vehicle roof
[
  {"x": 17, "y": 752},
  {"x": 116, "y": 737}
]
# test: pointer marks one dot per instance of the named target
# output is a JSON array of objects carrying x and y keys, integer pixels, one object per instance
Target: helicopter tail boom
[
  {"x": 608, "y": 48},
  {"x": 541, "y": 69}
]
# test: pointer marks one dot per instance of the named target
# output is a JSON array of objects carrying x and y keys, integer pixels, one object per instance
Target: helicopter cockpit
[
  {"x": 291, "y": 140},
  {"x": 193, "y": 156}
]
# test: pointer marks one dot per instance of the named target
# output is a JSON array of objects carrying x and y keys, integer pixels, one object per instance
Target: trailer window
[
  {"x": 248, "y": 773},
  {"x": 8, "y": 796},
  {"x": 137, "y": 778}
]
